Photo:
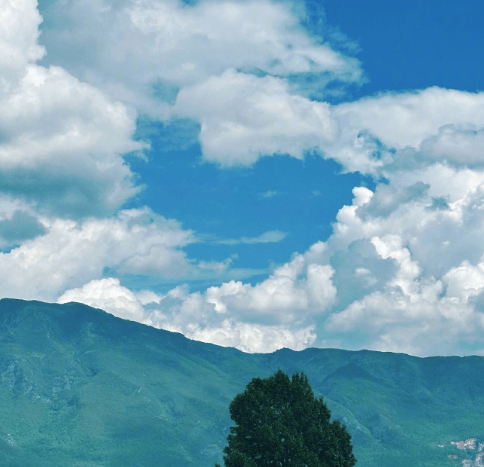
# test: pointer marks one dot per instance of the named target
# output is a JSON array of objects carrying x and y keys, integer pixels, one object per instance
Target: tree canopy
[{"x": 280, "y": 423}]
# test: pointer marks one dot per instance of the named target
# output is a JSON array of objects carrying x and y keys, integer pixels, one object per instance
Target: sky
[{"x": 254, "y": 174}]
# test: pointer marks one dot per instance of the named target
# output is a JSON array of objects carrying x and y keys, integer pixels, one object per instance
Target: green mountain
[{"x": 82, "y": 388}]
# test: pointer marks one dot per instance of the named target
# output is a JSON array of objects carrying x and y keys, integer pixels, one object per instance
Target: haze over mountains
[{"x": 82, "y": 388}]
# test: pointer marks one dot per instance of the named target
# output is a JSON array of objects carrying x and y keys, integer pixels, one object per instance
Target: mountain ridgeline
[{"x": 82, "y": 388}]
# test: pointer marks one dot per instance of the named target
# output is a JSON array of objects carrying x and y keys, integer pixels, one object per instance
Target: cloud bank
[{"x": 404, "y": 267}]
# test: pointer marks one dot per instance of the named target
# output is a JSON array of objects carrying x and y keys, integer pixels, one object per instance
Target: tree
[{"x": 280, "y": 423}]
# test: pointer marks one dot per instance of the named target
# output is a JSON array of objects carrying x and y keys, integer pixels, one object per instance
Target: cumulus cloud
[
  {"x": 72, "y": 253},
  {"x": 406, "y": 119},
  {"x": 62, "y": 144},
  {"x": 109, "y": 295},
  {"x": 404, "y": 267},
  {"x": 372, "y": 129},
  {"x": 229, "y": 65},
  {"x": 18, "y": 41},
  {"x": 289, "y": 294},
  {"x": 244, "y": 117},
  {"x": 63, "y": 135},
  {"x": 191, "y": 314},
  {"x": 262, "y": 318},
  {"x": 423, "y": 303},
  {"x": 61, "y": 140},
  {"x": 400, "y": 273},
  {"x": 146, "y": 42},
  {"x": 255, "y": 338},
  {"x": 403, "y": 271}
]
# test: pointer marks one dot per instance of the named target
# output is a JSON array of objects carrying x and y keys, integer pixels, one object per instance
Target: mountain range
[{"x": 82, "y": 388}]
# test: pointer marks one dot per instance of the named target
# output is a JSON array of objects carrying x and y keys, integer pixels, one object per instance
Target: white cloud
[
  {"x": 262, "y": 318},
  {"x": 291, "y": 293},
  {"x": 192, "y": 317},
  {"x": 109, "y": 295},
  {"x": 70, "y": 253},
  {"x": 429, "y": 301},
  {"x": 61, "y": 140},
  {"x": 407, "y": 119},
  {"x": 255, "y": 338},
  {"x": 226, "y": 64},
  {"x": 271, "y": 236},
  {"x": 421, "y": 318},
  {"x": 244, "y": 117},
  {"x": 61, "y": 145},
  {"x": 426, "y": 126},
  {"x": 127, "y": 46},
  {"x": 269, "y": 194},
  {"x": 52, "y": 113},
  {"x": 18, "y": 40},
  {"x": 460, "y": 148},
  {"x": 403, "y": 269},
  {"x": 465, "y": 281},
  {"x": 400, "y": 273}
]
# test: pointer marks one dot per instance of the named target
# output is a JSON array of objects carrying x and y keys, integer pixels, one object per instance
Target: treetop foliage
[{"x": 279, "y": 422}]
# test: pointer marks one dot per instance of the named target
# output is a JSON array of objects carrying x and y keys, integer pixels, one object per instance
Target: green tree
[{"x": 280, "y": 423}]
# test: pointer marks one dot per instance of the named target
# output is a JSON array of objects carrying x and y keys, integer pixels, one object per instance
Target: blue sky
[
  {"x": 298, "y": 198},
  {"x": 255, "y": 174},
  {"x": 413, "y": 45}
]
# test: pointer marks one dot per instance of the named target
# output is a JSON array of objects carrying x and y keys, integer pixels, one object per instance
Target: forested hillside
[{"x": 80, "y": 387}]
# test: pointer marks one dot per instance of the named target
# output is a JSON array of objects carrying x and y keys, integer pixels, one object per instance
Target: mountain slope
[{"x": 80, "y": 387}]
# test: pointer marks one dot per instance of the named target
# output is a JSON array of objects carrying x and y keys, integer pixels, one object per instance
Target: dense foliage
[{"x": 279, "y": 422}]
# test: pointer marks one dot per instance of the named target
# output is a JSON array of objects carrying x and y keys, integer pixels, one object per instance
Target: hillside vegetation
[{"x": 82, "y": 388}]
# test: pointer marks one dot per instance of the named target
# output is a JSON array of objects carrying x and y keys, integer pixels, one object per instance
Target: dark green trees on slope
[{"x": 280, "y": 423}]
